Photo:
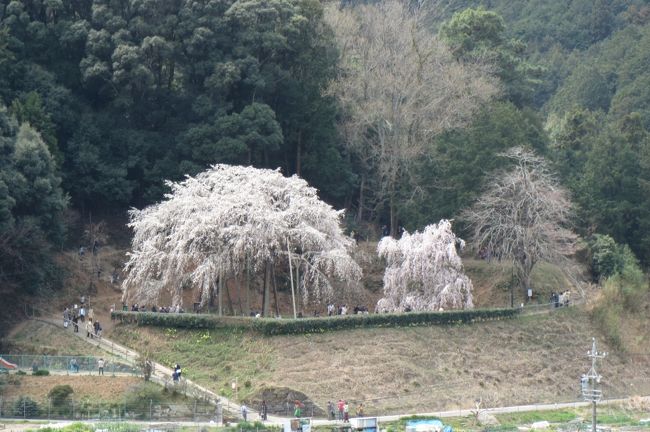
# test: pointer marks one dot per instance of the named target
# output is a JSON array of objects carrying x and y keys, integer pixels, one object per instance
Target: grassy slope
[
  {"x": 34, "y": 337},
  {"x": 492, "y": 281},
  {"x": 526, "y": 360}
]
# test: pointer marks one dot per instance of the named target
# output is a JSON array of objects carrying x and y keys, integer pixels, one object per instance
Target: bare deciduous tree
[
  {"x": 399, "y": 86},
  {"x": 524, "y": 216}
]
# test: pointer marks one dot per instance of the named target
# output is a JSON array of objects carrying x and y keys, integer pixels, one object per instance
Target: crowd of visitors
[
  {"x": 81, "y": 315},
  {"x": 332, "y": 310},
  {"x": 342, "y": 309},
  {"x": 143, "y": 308},
  {"x": 560, "y": 299},
  {"x": 73, "y": 365},
  {"x": 335, "y": 411},
  {"x": 341, "y": 410}
]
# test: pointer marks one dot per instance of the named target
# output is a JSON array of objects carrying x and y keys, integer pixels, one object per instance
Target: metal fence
[
  {"x": 84, "y": 365},
  {"x": 68, "y": 408}
]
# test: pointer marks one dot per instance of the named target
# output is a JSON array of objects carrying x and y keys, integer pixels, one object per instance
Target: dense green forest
[{"x": 102, "y": 100}]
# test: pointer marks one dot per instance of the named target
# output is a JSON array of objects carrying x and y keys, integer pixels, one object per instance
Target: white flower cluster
[
  {"x": 424, "y": 271},
  {"x": 215, "y": 224}
]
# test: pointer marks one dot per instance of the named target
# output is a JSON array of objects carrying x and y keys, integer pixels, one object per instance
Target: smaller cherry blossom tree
[{"x": 424, "y": 271}]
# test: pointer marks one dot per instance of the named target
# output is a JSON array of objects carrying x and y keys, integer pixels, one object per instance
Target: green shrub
[
  {"x": 624, "y": 286},
  {"x": 41, "y": 372},
  {"x": 616, "y": 298},
  {"x": 139, "y": 398},
  {"x": 74, "y": 427},
  {"x": 60, "y": 400},
  {"x": 249, "y": 426},
  {"x": 60, "y": 392},
  {"x": 608, "y": 257},
  {"x": 272, "y": 326},
  {"x": 26, "y": 407}
]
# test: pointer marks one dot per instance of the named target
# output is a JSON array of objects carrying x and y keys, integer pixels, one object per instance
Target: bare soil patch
[{"x": 98, "y": 388}]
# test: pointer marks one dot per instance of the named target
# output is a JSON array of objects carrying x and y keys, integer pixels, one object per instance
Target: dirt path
[{"x": 161, "y": 374}]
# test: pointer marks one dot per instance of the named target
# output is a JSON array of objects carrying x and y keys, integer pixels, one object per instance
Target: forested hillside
[{"x": 102, "y": 100}]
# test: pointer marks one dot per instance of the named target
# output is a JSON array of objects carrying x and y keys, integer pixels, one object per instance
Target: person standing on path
[
  {"x": 90, "y": 329},
  {"x": 360, "y": 410},
  {"x": 346, "y": 411},
  {"x": 244, "y": 412},
  {"x": 340, "y": 406},
  {"x": 100, "y": 365},
  {"x": 330, "y": 410},
  {"x": 263, "y": 411}
]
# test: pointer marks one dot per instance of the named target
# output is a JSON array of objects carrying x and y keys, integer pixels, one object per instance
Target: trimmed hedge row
[
  {"x": 272, "y": 326},
  {"x": 181, "y": 320}
]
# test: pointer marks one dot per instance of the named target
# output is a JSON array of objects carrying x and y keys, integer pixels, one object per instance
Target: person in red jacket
[{"x": 340, "y": 405}]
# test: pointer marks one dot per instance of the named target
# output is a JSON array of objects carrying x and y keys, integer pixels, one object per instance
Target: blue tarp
[{"x": 429, "y": 422}]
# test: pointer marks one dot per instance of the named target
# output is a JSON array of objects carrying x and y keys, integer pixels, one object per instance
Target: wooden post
[
  {"x": 247, "y": 305},
  {"x": 293, "y": 293}
]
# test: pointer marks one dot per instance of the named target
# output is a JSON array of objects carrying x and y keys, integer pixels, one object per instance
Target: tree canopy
[
  {"x": 390, "y": 110},
  {"x": 32, "y": 206},
  {"x": 229, "y": 219},
  {"x": 400, "y": 86}
]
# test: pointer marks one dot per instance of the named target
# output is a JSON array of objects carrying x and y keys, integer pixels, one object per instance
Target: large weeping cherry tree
[
  {"x": 231, "y": 222},
  {"x": 424, "y": 271}
]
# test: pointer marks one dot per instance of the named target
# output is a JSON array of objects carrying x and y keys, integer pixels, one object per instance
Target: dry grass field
[
  {"x": 84, "y": 386},
  {"x": 526, "y": 360},
  {"x": 34, "y": 337}
]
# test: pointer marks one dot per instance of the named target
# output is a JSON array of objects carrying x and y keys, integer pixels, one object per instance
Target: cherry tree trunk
[
  {"x": 230, "y": 306},
  {"x": 275, "y": 291},
  {"x": 266, "y": 296},
  {"x": 219, "y": 295}
]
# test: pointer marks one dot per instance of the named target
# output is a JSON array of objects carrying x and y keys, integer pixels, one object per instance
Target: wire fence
[
  {"x": 68, "y": 408},
  {"x": 84, "y": 365}
]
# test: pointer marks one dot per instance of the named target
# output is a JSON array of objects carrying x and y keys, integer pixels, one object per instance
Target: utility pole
[{"x": 589, "y": 391}]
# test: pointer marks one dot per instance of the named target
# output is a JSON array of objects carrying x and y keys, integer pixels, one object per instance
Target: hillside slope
[{"x": 530, "y": 359}]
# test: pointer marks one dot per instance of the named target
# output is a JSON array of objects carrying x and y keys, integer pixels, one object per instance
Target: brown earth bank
[
  {"x": 97, "y": 388},
  {"x": 530, "y": 359}
]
